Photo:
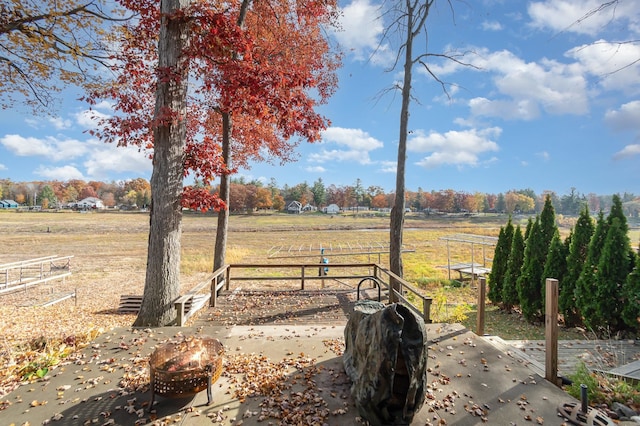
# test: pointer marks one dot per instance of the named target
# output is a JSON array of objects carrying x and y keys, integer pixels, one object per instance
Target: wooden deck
[
  {"x": 618, "y": 357},
  {"x": 289, "y": 307},
  {"x": 333, "y": 306}
]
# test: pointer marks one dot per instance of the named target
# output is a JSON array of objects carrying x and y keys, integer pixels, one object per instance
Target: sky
[{"x": 549, "y": 101}]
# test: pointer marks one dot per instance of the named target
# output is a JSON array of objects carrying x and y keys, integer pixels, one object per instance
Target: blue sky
[{"x": 550, "y": 104}]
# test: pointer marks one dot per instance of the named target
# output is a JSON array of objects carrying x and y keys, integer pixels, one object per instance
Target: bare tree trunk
[
  {"x": 220, "y": 252},
  {"x": 162, "y": 282},
  {"x": 397, "y": 212}
]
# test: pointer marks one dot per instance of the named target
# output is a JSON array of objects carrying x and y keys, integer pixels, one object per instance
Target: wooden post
[
  {"x": 551, "y": 330},
  {"x": 482, "y": 292},
  {"x": 213, "y": 301},
  {"x": 426, "y": 310},
  {"x": 448, "y": 260},
  {"x": 473, "y": 272}
]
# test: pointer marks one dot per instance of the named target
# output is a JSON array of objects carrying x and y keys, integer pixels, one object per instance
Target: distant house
[
  {"x": 294, "y": 207},
  {"x": 332, "y": 209},
  {"x": 309, "y": 208},
  {"x": 89, "y": 203},
  {"x": 8, "y": 204}
]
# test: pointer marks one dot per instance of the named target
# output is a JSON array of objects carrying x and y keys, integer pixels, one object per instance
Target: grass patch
[
  {"x": 602, "y": 389},
  {"x": 512, "y": 326}
]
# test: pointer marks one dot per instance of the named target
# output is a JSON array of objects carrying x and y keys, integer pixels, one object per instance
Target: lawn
[{"x": 109, "y": 252}]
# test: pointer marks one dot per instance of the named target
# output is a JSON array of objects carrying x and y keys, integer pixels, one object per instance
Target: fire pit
[{"x": 185, "y": 367}]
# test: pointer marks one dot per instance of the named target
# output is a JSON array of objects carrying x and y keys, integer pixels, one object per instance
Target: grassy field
[{"x": 109, "y": 260}]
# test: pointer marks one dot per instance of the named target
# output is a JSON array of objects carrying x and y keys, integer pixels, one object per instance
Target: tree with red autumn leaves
[{"x": 257, "y": 71}]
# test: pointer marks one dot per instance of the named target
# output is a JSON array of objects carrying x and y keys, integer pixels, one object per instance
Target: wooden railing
[{"x": 305, "y": 273}]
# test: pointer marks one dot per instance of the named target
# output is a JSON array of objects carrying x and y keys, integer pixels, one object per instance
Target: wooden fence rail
[
  {"x": 188, "y": 304},
  {"x": 306, "y": 272}
]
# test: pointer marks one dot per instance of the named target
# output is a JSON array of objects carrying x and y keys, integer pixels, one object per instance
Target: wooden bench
[
  {"x": 192, "y": 302},
  {"x": 186, "y": 305}
]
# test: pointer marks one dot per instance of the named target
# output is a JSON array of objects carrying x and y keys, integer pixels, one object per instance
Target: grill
[{"x": 186, "y": 367}]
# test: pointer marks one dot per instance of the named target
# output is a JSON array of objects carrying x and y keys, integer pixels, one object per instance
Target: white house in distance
[
  {"x": 90, "y": 203},
  {"x": 294, "y": 207},
  {"x": 332, "y": 209}
]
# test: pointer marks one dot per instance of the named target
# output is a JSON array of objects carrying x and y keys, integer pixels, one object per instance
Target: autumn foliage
[
  {"x": 48, "y": 44},
  {"x": 270, "y": 75}
]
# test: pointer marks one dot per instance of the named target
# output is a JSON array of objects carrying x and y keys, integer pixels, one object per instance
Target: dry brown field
[{"x": 109, "y": 257}]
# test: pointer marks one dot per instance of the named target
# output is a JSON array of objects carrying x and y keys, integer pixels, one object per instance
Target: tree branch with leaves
[{"x": 47, "y": 45}]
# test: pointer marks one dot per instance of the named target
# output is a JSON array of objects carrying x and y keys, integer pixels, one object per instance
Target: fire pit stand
[{"x": 185, "y": 367}]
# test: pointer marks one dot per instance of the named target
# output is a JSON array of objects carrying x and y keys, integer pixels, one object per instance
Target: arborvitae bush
[
  {"x": 548, "y": 227},
  {"x": 586, "y": 286},
  {"x": 514, "y": 266},
  {"x": 500, "y": 260},
  {"x": 616, "y": 212},
  {"x": 631, "y": 294},
  {"x": 527, "y": 230},
  {"x": 528, "y": 284},
  {"x": 609, "y": 262},
  {"x": 580, "y": 237},
  {"x": 555, "y": 266},
  {"x": 613, "y": 270}
]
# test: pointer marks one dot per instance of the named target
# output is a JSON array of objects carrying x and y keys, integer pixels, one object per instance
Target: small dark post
[
  {"x": 482, "y": 292},
  {"x": 551, "y": 331},
  {"x": 584, "y": 399}
]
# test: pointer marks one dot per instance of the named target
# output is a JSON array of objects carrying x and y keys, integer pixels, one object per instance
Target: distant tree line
[
  {"x": 254, "y": 195},
  {"x": 597, "y": 269},
  {"x": 54, "y": 194}
]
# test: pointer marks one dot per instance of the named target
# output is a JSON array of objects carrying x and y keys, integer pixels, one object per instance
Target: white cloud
[
  {"x": 358, "y": 143},
  {"x": 615, "y": 65},
  {"x": 625, "y": 118},
  {"x": 315, "y": 169},
  {"x": 336, "y": 155},
  {"x": 3, "y": 167},
  {"x": 361, "y": 32},
  {"x": 103, "y": 161},
  {"x": 32, "y": 122},
  {"x": 460, "y": 148},
  {"x": 388, "y": 166},
  {"x": 89, "y": 118},
  {"x": 98, "y": 158},
  {"x": 63, "y": 173},
  {"x": 491, "y": 26},
  {"x": 352, "y": 138},
  {"x": 524, "y": 89},
  {"x": 627, "y": 152},
  {"x": 576, "y": 15},
  {"x": 59, "y": 123},
  {"x": 506, "y": 109},
  {"x": 51, "y": 147},
  {"x": 104, "y": 105}
]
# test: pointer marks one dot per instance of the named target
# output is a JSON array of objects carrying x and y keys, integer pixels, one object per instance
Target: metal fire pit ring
[{"x": 184, "y": 368}]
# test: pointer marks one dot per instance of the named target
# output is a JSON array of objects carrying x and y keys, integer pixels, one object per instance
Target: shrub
[{"x": 500, "y": 261}]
